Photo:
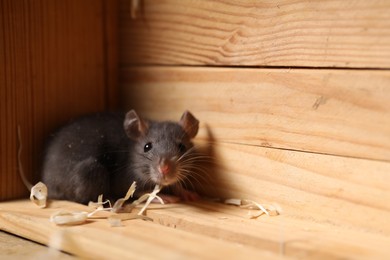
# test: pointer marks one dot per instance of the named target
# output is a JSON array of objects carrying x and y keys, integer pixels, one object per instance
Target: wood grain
[
  {"x": 201, "y": 230},
  {"x": 111, "y": 55},
  {"x": 340, "y": 112},
  {"x": 52, "y": 68},
  {"x": 316, "y": 188},
  {"x": 137, "y": 239},
  {"x": 257, "y": 33},
  {"x": 13, "y": 247},
  {"x": 283, "y": 234}
]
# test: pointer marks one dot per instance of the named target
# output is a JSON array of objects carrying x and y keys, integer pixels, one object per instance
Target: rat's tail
[{"x": 20, "y": 166}]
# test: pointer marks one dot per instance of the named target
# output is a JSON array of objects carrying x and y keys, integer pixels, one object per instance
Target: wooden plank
[
  {"x": 283, "y": 234},
  {"x": 200, "y": 230},
  {"x": 323, "y": 111},
  {"x": 13, "y": 247},
  {"x": 315, "y": 188},
  {"x": 51, "y": 69},
  {"x": 96, "y": 239},
  {"x": 257, "y": 33}
]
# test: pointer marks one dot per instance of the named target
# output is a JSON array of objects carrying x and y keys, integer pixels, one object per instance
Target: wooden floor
[
  {"x": 202, "y": 230},
  {"x": 14, "y": 247}
]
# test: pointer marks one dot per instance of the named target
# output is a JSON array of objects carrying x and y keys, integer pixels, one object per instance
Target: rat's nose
[{"x": 165, "y": 166}]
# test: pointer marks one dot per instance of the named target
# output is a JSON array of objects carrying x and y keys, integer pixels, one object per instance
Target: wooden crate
[
  {"x": 57, "y": 62},
  {"x": 293, "y": 99}
]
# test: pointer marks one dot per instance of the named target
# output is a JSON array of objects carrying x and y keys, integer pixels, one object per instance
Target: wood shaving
[
  {"x": 148, "y": 197},
  {"x": 38, "y": 194},
  {"x": 100, "y": 203},
  {"x": 151, "y": 196},
  {"x": 119, "y": 203},
  {"x": 115, "y": 220},
  {"x": 236, "y": 202},
  {"x": 69, "y": 218},
  {"x": 249, "y": 204},
  {"x": 256, "y": 209},
  {"x": 99, "y": 206}
]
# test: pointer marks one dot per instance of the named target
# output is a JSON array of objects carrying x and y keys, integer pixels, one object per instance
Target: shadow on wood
[{"x": 210, "y": 178}]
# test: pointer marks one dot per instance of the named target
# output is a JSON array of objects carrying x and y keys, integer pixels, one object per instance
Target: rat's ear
[
  {"x": 134, "y": 126},
  {"x": 189, "y": 123}
]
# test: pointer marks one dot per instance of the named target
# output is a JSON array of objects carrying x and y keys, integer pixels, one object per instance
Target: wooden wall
[
  {"x": 57, "y": 60},
  {"x": 293, "y": 96},
  {"x": 346, "y": 34}
]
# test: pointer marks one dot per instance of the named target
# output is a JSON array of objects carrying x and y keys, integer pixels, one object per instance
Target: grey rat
[{"x": 104, "y": 153}]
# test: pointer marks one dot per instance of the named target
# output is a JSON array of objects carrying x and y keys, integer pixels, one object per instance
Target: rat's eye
[
  {"x": 182, "y": 148},
  {"x": 148, "y": 147}
]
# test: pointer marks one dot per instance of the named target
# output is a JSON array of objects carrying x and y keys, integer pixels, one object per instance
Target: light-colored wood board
[
  {"x": 13, "y": 247},
  {"x": 137, "y": 239},
  {"x": 257, "y": 33},
  {"x": 203, "y": 229},
  {"x": 52, "y": 68},
  {"x": 341, "y": 112},
  {"x": 316, "y": 188},
  {"x": 283, "y": 234}
]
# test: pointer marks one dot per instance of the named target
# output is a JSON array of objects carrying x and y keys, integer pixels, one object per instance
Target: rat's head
[{"x": 161, "y": 148}]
